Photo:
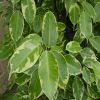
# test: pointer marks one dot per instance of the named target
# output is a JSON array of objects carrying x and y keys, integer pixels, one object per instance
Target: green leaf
[
  {"x": 28, "y": 53},
  {"x": 97, "y": 10},
  {"x": 73, "y": 47},
  {"x": 87, "y": 75},
  {"x": 49, "y": 29},
  {"x": 68, "y": 3},
  {"x": 74, "y": 66},
  {"x": 74, "y": 13},
  {"x": 61, "y": 26},
  {"x": 56, "y": 48},
  {"x": 2, "y": 8},
  {"x": 6, "y": 51},
  {"x": 1, "y": 15},
  {"x": 16, "y": 25},
  {"x": 85, "y": 25},
  {"x": 96, "y": 68},
  {"x": 89, "y": 9},
  {"x": 98, "y": 84},
  {"x": 88, "y": 53},
  {"x": 48, "y": 74},
  {"x": 78, "y": 36},
  {"x": 25, "y": 97},
  {"x": 78, "y": 88},
  {"x": 1, "y": 1},
  {"x": 40, "y": 11},
  {"x": 21, "y": 78},
  {"x": 28, "y": 10},
  {"x": 37, "y": 24},
  {"x": 34, "y": 86},
  {"x": 85, "y": 95},
  {"x": 93, "y": 91},
  {"x": 16, "y": 96},
  {"x": 14, "y": 1},
  {"x": 95, "y": 41},
  {"x": 63, "y": 70}
]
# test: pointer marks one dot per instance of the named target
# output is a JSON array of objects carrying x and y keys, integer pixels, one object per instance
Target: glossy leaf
[
  {"x": 28, "y": 10},
  {"x": 74, "y": 66},
  {"x": 16, "y": 25},
  {"x": 63, "y": 70},
  {"x": 89, "y": 9},
  {"x": 93, "y": 91},
  {"x": 28, "y": 53},
  {"x": 97, "y": 10},
  {"x": 87, "y": 75},
  {"x": 34, "y": 86},
  {"x": 49, "y": 30},
  {"x": 48, "y": 74},
  {"x": 37, "y": 24},
  {"x": 14, "y": 1},
  {"x": 78, "y": 88},
  {"x": 95, "y": 41},
  {"x": 85, "y": 25},
  {"x": 74, "y": 13},
  {"x": 73, "y": 47}
]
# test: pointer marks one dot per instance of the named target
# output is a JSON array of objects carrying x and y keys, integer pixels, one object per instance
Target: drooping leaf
[
  {"x": 14, "y": 1},
  {"x": 48, "y": 74},
  {"x": 16, "y": 25},
  {"x": 34, "y": 86},
  {"x": 74, "y": 67},
  {"x": 49, "y": 29},
  {"x": 63, "y": 70},
  {"x": 96, "y": 68},
  {"x": 21, "y": 78},
  {"x": 73, "y": 47},
  {"x": 74, "y": 13},
  {"x": 78, "y": 88},
  {"x": 37, "y": 24},
  {"x": 93, "y": 91},
  {"x": 87, "y": 75},
  {"x": 61, "y": 26},
  {"x": 95, "y": 41},
  {"x": 28, "y": 10},
  {"x": 6, "y": 51},
  {"x": 89, "y": 9},
  {"x": 28, "y": 53},
  {"x": 85, "y": 25},
  {"x": 97, "y": 10},
  {"x": 88, "y": 53}
]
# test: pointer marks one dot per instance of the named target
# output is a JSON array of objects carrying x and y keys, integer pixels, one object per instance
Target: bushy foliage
[{"x": 53, "y": 47}]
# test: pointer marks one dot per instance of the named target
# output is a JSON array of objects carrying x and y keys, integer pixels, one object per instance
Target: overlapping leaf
[
  {"x": 49, "y": 29},
  {"x": 16, "y": 25},
  {"x": 48, "y": 74},
  {"x": 14, "y": 1},
  {"x": 74, "y": 65},
  {"x": 28, "y": 10},
  {"x": 63, "y": 70}
]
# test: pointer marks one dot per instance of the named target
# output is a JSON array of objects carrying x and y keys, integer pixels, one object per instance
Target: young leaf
[
  {"x": 34, "y": 86},
  {"x": 74, "y": 66},
  {"x": 48, "y": 74},
  {"x": 78, "y": 88},
  {"x": 89, "y": 9},
  {"x": 37, "y": 24},
  {"x": 63, "y": 70},
  {"x": 73, "y": 47},
  {"x": 85, "y": 25},
  {"x": 61, "y": 26},
  {"x": 97, "y": 10},
  {"x": 74, "y": 13},
  {"x": 28, "y": 53},
  {"x": 95, "y": 41},
  {"x": 87, "y": 75},
  {"x": 14, "y": 1},
  {"x": 28, "y": 10},
  {"x": 49, "y": 29},
  {"x": 93, "y": 91},
  {"x": 96, "y": 68},
  {"x": 16, "y": 25}
]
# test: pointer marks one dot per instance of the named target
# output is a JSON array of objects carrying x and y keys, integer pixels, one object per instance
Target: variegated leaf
[
  {"x": 14, "y": 1},
  {"x": 16, "y": 25},
  {"x": 48, "y": 74},
  {"x": 74, "y": 65},
  {"x": 63, "y": 70},
  {"x": 49, "y": 29},
  {"x": 25, "y": 56},
  {"x": 28, "y": 10},
  {"x": 35, "y": 86}
]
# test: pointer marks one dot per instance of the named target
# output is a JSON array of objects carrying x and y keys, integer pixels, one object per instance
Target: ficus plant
[{"x": 53, "y": 47}]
